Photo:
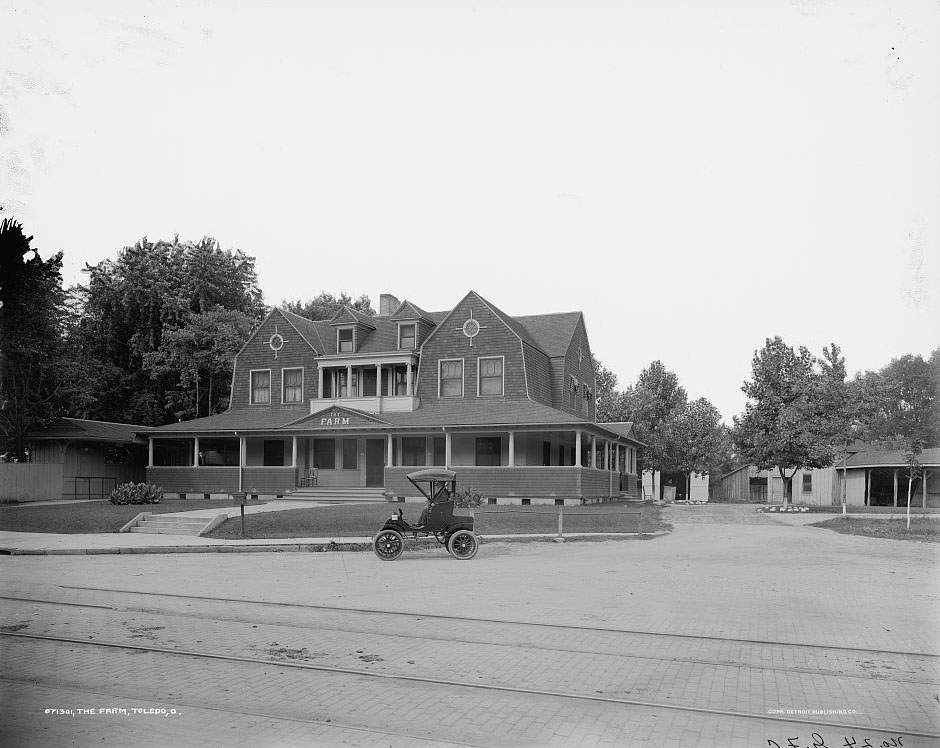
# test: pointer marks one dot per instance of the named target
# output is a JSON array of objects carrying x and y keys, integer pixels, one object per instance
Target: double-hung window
[
  {"x": 491, "y": 376},
  {"x": 451, "y": 377},
  {"x": 344, "y": 340},
  {"x": 406, "y": 337},
  {"x": 293, "y": 385},
  {"x": 807, "y": 482},
  {"x": 261, "y": 387}
]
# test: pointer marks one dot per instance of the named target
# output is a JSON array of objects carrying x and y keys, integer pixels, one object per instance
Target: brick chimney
[{"x": 387, "y": 304}]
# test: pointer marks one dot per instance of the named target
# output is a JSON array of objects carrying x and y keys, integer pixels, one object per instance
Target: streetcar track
[
  {"x": 330, "y": 723},
  {"x": 512, "y": 645},
  {"x": 508, "y": 622},
  {"x": 478, "y": 686}
]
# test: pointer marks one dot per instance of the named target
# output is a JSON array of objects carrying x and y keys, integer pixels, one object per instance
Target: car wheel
[
  {"x": 463, "y": 545},
  {"x": 388, "y": 545}
]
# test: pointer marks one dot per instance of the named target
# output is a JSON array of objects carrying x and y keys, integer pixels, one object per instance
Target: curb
[{"x": 329, "y": 547}]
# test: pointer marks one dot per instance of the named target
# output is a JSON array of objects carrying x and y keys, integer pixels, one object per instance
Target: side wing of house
[{"x": 573, "y": 376}]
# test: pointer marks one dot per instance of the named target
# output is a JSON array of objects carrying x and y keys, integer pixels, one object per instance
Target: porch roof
[
  {"x": 85, "y": 430},
  {"x": 500, "y": 414},
  {"x": 891, "y": 458}
]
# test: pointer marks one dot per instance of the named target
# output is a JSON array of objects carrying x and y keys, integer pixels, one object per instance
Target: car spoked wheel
[
  {"x": 463, "y": 545},
  {"x": 388, "y": 545}
]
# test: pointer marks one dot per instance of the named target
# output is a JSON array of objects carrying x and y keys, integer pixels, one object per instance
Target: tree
[
  {"x": 326, "y": 305},
  {"x": 36, "y": 369},
  {"x": 786, "y": 424},
  {"x": 698, "y": 441},
  {"x": 608, "y": 403},
  {"x": 653, "y": 404},
  {"x": 902, "y": 401},
  {"x": 201, "y": 354},
  {"x": 153, "y": 289}
]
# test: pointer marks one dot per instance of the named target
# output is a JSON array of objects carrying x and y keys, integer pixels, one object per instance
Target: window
[
  {"x": 807, "y": 482},
  {"x": 273, "y": 453},
  {"x": 488, "y": 450},
  {"x": 451, "y": 378},
  {"x": 344, "y": 340},
  {"x": 491, "y": 376},
  {"x": 261, "y": 387},
  {"x": 324, "y": 454},
  {"x": 293, "y": 386},
  {"x": 413, "y": 450},
  {"x": 573, "y": 394},
  {"x": 406, "y": 337},
  {"x": 401, "y": 385},
  {"x": 350, "y": 454},
  {"x": 341, "y": 389}
]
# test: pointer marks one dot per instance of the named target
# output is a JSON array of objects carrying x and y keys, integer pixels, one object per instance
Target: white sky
[{"x": 694, "y": 176}]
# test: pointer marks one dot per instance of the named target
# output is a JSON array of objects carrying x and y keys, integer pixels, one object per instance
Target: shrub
[
  {"x": 136, "y": 493},
  {"x": 467, "y": 499}
]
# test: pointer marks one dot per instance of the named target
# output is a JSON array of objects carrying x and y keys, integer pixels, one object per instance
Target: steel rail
[{"x": 477, "y": 686}]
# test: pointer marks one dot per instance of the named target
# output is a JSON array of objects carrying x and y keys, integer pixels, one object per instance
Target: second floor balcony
[{"x": 373, "y": 384}]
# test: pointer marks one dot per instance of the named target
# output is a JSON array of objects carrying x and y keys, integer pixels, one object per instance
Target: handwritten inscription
[{"x": 816, "y": 740}]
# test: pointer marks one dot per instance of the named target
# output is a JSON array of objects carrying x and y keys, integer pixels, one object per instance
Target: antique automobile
[{"x": 453, "y": 531}]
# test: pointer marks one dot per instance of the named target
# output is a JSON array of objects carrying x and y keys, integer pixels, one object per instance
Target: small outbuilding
[{"x": 74, "y": 458}]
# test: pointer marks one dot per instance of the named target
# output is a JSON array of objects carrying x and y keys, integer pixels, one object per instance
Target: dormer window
[
  {"x": 344, "y": 340},
  {"x": 406, "y": 337}
]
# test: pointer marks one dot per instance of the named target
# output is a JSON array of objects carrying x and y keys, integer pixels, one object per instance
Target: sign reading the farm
[
  {"x": 339, "y": 418},
  {"x": 334, "y": 419}
]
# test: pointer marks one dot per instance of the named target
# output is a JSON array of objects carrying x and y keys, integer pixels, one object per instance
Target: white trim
[
  {"x": 463, "y": 377},
  {"x": 415, "y": 326},
  {"x": 302, "y": 376},
  {"x": 525, "y": 372},
  {"x": 251, "y": 387},
  {"x": 502, "y": 376}
]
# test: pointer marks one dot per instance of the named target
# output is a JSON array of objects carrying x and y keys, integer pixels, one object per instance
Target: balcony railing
[{"x": 370, "y": 404}]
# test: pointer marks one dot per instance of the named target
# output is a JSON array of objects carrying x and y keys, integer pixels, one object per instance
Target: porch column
[
  {"x": 895, "y": 486},
  {"x": 391, "y": 380},
  {"x": 293, "y": 453},
  {"x": 577, "y": 448},
  {"x": 320, "y": 382},
  {"x": 867, "y": 486},
  {"x": 150, "y": 452},
  {"x": 389, "y": 451},
  {"x": 512, "y": 449},
  {"x": 378, "y": 380},
  {"x": 349, "y": 380},
  {"x": 593, "y": 451},
  {"x": 408, "y": 386},
  {"x": 196, "y": 452},
  {"x": 447, "y": 450}
]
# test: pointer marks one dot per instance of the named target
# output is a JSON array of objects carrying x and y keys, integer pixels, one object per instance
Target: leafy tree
[
  {"x": 902, "y": 401},
  {"x": 201, "y": 354},
  {"x": 786, "y": 425},
  {"x": 698, "y": 441},
  {"x": 654, "y": 404},
  {"x": 36, "y": 369},
  {"x": 130, "y": 304},
  {"x": 608, "y": 404},
  {"x": 326, "y": 305}
]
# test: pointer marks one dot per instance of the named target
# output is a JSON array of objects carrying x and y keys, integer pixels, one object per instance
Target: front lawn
[
  {"x": 364, "y": 520},
  {"x": 89, "y": 516},
  {"x": 893, "y": 529}
]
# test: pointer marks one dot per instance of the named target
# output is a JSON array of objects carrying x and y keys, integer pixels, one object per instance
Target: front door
[{"x": 375, "y": 462}]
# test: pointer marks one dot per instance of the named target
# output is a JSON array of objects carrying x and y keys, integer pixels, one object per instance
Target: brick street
[{"x": 709, "y": 636}]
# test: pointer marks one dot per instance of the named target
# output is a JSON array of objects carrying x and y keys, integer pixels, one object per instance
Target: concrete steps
[
  {"x": 337, "y": 494},
  {"x": 162, "y": 524}
]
